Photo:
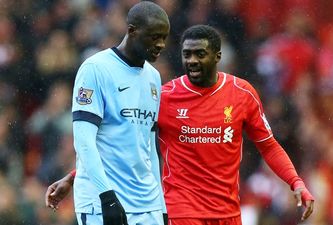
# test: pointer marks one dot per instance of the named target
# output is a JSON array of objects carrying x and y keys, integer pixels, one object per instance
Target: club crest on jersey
[
  {"x": 84, "y": 96},
  {"x": 153, "y": 91},
  {"x": 227, "y": 113}
]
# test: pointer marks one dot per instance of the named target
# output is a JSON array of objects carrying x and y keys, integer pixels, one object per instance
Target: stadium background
[{"x": 283, "y": 47}]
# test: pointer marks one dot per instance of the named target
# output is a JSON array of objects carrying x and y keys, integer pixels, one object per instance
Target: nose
[
  {"x": 160, "y": 44},
  {"x": 192, "y": 59}
]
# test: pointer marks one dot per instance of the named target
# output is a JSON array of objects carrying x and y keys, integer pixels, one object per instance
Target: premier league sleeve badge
[{"x": 84, "y": 96}]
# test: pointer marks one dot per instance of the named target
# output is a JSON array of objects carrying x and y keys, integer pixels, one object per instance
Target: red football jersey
[{"x": 200, "y": 134}]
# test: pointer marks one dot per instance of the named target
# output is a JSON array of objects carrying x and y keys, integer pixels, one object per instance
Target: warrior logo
[{"x": 182, "y": 113}]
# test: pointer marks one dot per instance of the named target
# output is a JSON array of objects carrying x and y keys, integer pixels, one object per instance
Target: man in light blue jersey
[{"x": 115, "y": 107}]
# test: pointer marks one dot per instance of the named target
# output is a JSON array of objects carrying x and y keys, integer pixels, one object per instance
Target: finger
[
  {"x": 52, "y": 202},
  {"x": 298, "y": 198},
  {"x": 52, "y": 205},
  {"x": 47, "y": 194},
  {"x": 47, "y": 197},
  {"x": 55, "y": 208},
  {"x": 308, "y": 210}
]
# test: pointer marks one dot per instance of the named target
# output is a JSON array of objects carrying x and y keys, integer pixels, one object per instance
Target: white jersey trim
[
  {"x": 166, "y": 162},
  {"x": 183, "y": 83},
  {"x": 221, "y": 85},
  {"x": 198, "y": 93},
  {"x": 171, "y": 90},
  {"x": 258, "y": 103},
  {"x": 265, "y": 138}
]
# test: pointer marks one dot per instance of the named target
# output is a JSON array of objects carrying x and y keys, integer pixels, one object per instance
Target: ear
[
  {"x": 131, "y": 29},
  {"x": 218, "y": 56}
]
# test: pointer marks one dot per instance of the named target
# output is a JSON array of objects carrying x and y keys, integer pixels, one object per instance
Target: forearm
[
  {"x": 156, "y": 168},
  {"x": 278, "y": 160},
  {"x": 85, "y": 146}
]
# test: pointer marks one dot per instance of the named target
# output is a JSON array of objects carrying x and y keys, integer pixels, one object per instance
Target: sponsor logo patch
[
  {"x": 122, "y": 89},
  {"x": 182, "y": 113}
]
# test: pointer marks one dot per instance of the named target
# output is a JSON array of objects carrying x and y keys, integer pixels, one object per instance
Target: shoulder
[
  {"x": 244, "y": 89},
  {"x": 152, "y": 72},
  {"x": 96, "y": 60},
  {"x": 239, "y": 83},
  {"x": 99, "y": 58},
  {"x": 150, "y": 67},
  {"x": 171, "y": 85},
  {"x": 100, "y": 64}
]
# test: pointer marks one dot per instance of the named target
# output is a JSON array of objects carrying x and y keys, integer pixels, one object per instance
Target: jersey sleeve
[
  {"x": 87, "y": 102},
  {"x": 85, "y": 146},
  {"x": 156, "y": 167},
  {"x": 256, "y": 124}
]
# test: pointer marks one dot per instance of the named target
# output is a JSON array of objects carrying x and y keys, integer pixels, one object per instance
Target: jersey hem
[{"x": 203, "y": 215}]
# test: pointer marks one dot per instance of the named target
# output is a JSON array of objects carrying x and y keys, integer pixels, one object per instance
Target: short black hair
[
  {"x": 203, "y": 32},
  {"x": 141, "y": 12}
]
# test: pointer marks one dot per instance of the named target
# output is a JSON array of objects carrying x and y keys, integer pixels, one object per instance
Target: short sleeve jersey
[
  {"x": 123, "y": 101},
  {"x": 200, "y": 135}
]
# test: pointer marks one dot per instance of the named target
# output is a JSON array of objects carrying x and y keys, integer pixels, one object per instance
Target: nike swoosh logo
[
  {"x": 112, "y": 204},
  {"x": 122, "y": 89}
]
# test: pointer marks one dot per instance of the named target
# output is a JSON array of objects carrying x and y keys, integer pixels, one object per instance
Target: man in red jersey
[{"x": 202, "y": 117}]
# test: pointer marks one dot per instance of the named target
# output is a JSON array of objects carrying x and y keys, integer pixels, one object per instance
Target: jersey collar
[
  {"x": 201, "y": 90},
  {"x": 126, "y": 60}
]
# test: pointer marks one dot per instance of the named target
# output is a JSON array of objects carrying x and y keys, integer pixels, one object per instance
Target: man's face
[
  {"x": 199, "y": 62},
  {"x": 150, "y": 40}
]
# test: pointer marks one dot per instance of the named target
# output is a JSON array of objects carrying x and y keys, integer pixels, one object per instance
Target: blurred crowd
[{"x": 283, "y": 47}]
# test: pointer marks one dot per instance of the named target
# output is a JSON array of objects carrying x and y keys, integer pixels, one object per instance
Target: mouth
[
  {"x": 155, "y": 53},
  {"x": 194, "y": 73}
]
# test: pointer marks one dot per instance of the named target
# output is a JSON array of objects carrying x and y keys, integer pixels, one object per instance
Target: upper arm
[{"x": 87, "y": 95}]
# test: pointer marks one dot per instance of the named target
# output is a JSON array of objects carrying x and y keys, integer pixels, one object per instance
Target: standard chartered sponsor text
[{"x": 200, "y": 134}]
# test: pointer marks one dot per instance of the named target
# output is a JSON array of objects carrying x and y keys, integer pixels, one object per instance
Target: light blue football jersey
[{"x": 122, "y": 101}]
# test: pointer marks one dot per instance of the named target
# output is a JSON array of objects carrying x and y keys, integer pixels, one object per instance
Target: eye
[
  {"x": 155, "y": 37},
  {"x": 186, "y": 54},
  {"x": 201, "y": 54}
]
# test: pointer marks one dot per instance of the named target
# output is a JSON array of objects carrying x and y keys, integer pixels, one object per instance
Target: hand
[
  {"x": 165, "y": 218},
  {"x": 112, "y": 210},
  {"x": 58, "y": 191},
  {"x": 303, "y": 196}
]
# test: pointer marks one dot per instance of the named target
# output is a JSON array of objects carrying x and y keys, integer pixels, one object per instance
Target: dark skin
[
  {"x": 200, "y": 64},
  {"x": 140, "y": 44},
  {"x": 145, "y": 42}
]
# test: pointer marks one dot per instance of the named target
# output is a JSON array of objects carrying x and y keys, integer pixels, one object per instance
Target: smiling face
[{"x": 199, "y": 62}]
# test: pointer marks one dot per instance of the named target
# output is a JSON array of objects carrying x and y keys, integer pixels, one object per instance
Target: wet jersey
[{"x": 200, "y": 135}]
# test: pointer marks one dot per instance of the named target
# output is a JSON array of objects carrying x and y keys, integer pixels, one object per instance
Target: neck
[
  {"x": 127, "y": 51},
  {"x": 211, "y": 81}
]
